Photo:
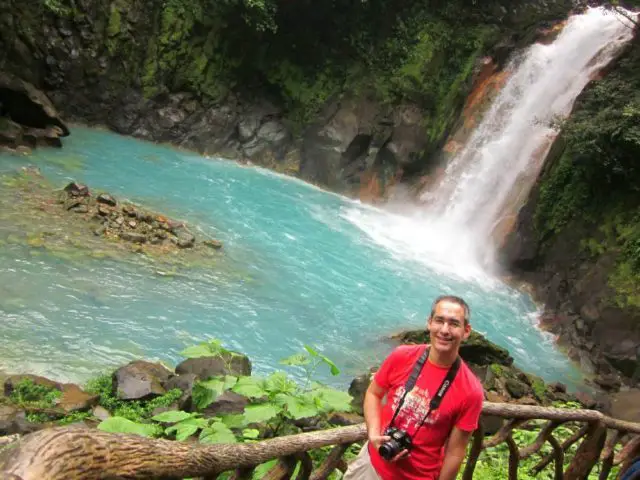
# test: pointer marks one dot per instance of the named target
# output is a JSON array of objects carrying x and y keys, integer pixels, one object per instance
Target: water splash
[{"x": 491, "y": 176}]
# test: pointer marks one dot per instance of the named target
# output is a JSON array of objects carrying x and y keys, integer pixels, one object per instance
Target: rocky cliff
[
  {"x": 577, "y": 239},
  {"x": 350, "y": 96}
]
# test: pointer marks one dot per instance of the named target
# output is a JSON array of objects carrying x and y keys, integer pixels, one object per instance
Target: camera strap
[{"x": 436, "y": 400}]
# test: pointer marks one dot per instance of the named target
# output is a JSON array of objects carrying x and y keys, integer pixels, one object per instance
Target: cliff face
[
  {"x": 577, "y": 239},
  {"x": 350, "y": 96}
]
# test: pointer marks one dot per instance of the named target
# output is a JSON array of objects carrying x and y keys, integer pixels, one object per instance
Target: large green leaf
[
  {"x": 172, "y": 416},
  {"x": 217, "y": 432},
  {"x": 250, "y": 433},
  {"x": 334, "y": 368},
  {"x": 297, "y": 407},
  {"x": 311, "y": 350},
  {"x": 206, "y": 349},
  {"x": 260, "y": 413},
  {"x": 278, "y": 382},
  {"x": 124, "y": 425},
  {"x": 234, "y": 420},
  {"x": 198, "y": 423},
  {"x": 251, "y": 387},
  {"x": 262, "y": 469},
  {"x": 185, "y": 430},
  {"x": 203, "y": 396},
  {"x": 333, "y": 400},
  {"x": 296, "y": 360}
]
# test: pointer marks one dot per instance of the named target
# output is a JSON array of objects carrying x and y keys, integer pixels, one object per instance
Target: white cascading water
[{"x": 452, "y": 230}]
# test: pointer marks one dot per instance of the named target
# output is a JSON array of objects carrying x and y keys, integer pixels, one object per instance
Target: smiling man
[{"x": 433, "y": 403}]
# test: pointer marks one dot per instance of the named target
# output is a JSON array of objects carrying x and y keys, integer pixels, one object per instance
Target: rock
[
  {"x": 185, "y": 383},
  {"x": 226, "y": 404},
  {"x": 185, "y": 239},
  {"x": 140, "y": 380},
  {"x": 585, "y": 399},
  {"x": 27, "y": 105},
  {"x": 515, "y": 388},
  {"x": 98, "y": 231},
  {"x": 130, "y": 210},
  {"x": 626, "y": 406},
  {"x": 491, "y": 423},
  {"x": 133, "y": 237},
  {"x": 132, "y": 224},
  {"x": 215, "y": 244},
  {"x": 13, "y": 380},
  {"x": 14, "y": 421},
  {"x": 528, "y": 400},
  {"x": 476, "y": 349},
  {"x": 77, "y": 190},
  {"x": 106, "y": 199},
  {"x": 104, "y": 211},
  {"x": 358, "y": 388},
  {"x": 74, "y": 399},
  {"x": 344, "y": 419},
  {"x": 558, "y": 387},
  {"x": 608, "y": 382},
  {"x": 222, "y": 364},
  {"x": 82, "y": 208},
  {"x": 100, "y": 413}
]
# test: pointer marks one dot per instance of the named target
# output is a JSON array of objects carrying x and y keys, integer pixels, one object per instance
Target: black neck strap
[{"x": 436, "y": 400}]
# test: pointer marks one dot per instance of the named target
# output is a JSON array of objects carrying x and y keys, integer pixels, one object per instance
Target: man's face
[{"x": 447, "y": 328}]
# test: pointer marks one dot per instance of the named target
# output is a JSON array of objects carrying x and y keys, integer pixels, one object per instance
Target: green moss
[
  {"x": 28, "y": 393},
  {"x": 497, "y": 369},
  {"x": 538, "y": 386},
  {"x": 115, "y": 21}
]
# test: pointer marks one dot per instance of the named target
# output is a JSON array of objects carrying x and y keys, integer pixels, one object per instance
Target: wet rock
[
  {"x": 215, "y": 244},
  {"x": 77, "y": 190},
  {"x": 185, "y": 383},
  {"x": 104, "y": 211},
  {"x": 12, "y": 381},
  {"x": 99, "y": 231},
  {"x": 133, "y": 237},
  {"x": 132, "y": 224},
  {"x": 140, "y": 380},
  {"x": 100, "y": 413},
  {"x": 226, "y": 404},
  {"x": 515, "y": 388},
  {"x": 74, "y": 399},
  {"x": 358, "y": 388},
  {"x": 185, "y": 239},
  {"x": 130, "y": 210},
  {"x": 14, "y": 421},
  {"x": 344, "y": 419},
  {"x": 81, "y": 208},
  {"x": 235, "y": 364},
  {"x": 106, "y": 199},
  {"x": 476, "y": 349}
]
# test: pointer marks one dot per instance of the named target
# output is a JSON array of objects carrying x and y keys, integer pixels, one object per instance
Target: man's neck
[{"x": 440, "y": 359}]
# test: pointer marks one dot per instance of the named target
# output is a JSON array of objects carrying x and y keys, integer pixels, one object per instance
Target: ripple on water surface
[{"x": 296, "y": 269}]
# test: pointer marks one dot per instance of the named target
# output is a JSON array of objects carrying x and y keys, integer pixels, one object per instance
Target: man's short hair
[{"x": 452, "y": 299}]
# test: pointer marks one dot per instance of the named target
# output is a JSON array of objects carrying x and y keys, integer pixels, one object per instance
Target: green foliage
[
  {"x": 135, "y": 411},
  {"x": 595, "y": 184},
  {"x": 57, "y": 7},
  {"x": 124, "y": 425},
  {"x": 211, "y": 348},
  {"x": 29, "y": 394}
]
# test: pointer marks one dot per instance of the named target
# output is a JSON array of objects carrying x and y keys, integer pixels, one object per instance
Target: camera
[{"x": 400, "y": 440}]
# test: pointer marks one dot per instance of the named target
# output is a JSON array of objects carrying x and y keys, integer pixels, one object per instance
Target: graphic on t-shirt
[{"x": 415, "y": 407}]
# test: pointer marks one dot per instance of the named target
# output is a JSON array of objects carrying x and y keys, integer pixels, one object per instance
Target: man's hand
[{"x": 377, "y": 440}]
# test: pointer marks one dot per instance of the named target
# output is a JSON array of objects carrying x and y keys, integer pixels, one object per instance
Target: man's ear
[{"x": 467, "y": 331}]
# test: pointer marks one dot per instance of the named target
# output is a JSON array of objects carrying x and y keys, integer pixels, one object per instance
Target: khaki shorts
[{"x": 360, "y": 468}]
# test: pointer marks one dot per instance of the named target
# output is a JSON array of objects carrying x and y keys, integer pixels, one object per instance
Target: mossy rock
[{"x": 476, "y": 350}]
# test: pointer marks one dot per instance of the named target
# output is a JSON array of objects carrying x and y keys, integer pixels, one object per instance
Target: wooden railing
[{"x": 78, "y": 453}]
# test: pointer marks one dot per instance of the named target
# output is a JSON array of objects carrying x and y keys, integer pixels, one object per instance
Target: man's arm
[
  {"x": 454, "y": 453},
  {"x": 372, "y": 413}
]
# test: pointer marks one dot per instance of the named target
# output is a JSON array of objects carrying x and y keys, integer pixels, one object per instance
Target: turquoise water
[{"x": 296, "y": 269}]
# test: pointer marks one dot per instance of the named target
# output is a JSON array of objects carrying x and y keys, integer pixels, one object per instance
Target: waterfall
[{"x": 492, "y": 174}]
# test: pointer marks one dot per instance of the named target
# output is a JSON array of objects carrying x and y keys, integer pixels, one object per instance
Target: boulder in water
[
  {"x": 140, "y": 380},
  {"x": 230, "y": 363}
]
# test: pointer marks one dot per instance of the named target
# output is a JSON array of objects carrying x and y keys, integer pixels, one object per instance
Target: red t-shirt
[{"x": 460, "y": 407}]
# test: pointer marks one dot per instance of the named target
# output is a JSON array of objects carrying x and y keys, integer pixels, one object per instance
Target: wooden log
[
  {"x": 306, "y": 465},
  {"x": 514, "y": 458},
  {"x": 504, "y": 432},
  {"x": 82, "y": 454},
  {"x": 628, "y": 453},
  {"x": 565, "y": 446},
  {"x": 542, "y": 437},
  {"x": 588, "y": 453},
  {"x": 558, "y": 456},
  {"x": 330, "y": 463},
  {"x": 607, "y": 454},
  {"x": 474, "y": 453}
]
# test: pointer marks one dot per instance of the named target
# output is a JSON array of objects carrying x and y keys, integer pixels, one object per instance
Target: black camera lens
[{"x": 389, "y": 449}]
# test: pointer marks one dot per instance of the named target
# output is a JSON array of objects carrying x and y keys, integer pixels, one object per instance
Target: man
[{"x": 439, "y": 435}]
